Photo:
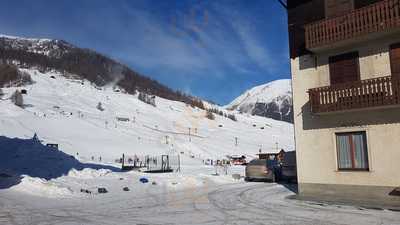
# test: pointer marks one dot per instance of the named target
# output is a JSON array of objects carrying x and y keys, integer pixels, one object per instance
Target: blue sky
[{"x": 212, "y": 49}]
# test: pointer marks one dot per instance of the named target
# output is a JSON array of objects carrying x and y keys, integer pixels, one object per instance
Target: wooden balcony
[
  {"x": 365, "y": 94},
  {"x": 375, "y": 18}
]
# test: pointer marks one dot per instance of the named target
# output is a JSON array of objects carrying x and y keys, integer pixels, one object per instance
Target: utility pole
[
  {"x": 236, "y": 141},
  {"x": 166, "y": 139},
  {"x": 190, "y": 139},
  {"x": 179, "y": 163}
]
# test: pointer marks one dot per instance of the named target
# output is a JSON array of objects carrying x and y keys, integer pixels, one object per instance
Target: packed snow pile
[
  {"x": 273, "y": 100},
  {"x": 88, "y": 173},
  {"x": 42, "y": 187},
  {"x": 30, "y": 157},
  {"x": 30, "y": 166}
]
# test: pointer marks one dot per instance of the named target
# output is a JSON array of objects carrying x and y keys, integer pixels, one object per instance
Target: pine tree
[
  {"x": 99, "y": 106},
  {"x": 35, "y": 138},
  {"x": 210, "y": 115},
  {"x": 151, "y": 100},
  {"x": 17, "y": 98},
  {"x": 232, "y": 117}
]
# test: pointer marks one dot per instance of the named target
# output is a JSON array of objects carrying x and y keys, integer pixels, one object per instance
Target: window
[{"x": 352, "y": 151}]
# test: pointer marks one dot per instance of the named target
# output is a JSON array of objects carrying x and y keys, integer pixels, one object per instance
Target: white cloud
[
  {"x": 257, "y": 52},
  {"x": 183, "y": 42}
]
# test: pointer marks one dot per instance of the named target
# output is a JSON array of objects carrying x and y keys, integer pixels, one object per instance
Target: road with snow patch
[{"x": 239, "y": 203}]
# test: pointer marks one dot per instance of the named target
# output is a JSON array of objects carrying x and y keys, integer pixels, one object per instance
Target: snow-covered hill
[
  {"x": 51, "y": 54},
  {"x": 63, "y": 111},
  {"x": 272, "y": 100}
]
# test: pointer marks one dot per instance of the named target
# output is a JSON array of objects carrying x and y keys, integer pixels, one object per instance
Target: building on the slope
[
  {"x": 274, "y": 155},
  {"x": 345, "y": 63},
  {"x": 122, "y": 119}
]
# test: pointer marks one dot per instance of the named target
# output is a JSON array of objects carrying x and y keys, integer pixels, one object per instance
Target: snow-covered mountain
[
  {"x": 272, "y": 100},
  {"x": 47, "y": 47}
]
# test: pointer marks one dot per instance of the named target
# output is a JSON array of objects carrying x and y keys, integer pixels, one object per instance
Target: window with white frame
[{"x": 352, "y": 151}]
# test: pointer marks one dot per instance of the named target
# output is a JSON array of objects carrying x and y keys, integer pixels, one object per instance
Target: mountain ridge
[{"x": 60, "y": 55}]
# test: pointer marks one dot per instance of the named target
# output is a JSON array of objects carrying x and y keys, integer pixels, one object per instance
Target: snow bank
[
  {"x": 88, "y": 173},
  {"x": 42, "y": 187},
  {"x": 30, "y": 157}
]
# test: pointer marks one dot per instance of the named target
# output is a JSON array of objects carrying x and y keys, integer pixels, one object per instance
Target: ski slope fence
[{"x": 159, "y": 163}]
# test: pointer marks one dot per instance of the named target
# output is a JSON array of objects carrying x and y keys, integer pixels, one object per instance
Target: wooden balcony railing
[
  {"x": 377, "y": 17},
  {"x": 371, "y": 93}
]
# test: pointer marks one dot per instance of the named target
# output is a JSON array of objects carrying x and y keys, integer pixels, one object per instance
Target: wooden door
[
  {"x": 395, "y": 60},
  {"x": 344, "y": 68}
]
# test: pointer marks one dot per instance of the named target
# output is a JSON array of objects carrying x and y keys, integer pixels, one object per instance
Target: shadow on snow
[{"x": 30, "y": 157}]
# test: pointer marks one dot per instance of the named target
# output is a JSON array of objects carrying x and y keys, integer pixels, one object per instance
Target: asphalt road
[{"x": 241, "y": 203}]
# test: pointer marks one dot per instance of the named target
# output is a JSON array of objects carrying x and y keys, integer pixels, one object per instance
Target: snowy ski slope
[{"x": 64, "y": 111}]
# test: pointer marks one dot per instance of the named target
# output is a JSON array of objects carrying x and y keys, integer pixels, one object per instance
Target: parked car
[
  {"x": 288, "y": 167},
  {"x": 262, "y": 170}
]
